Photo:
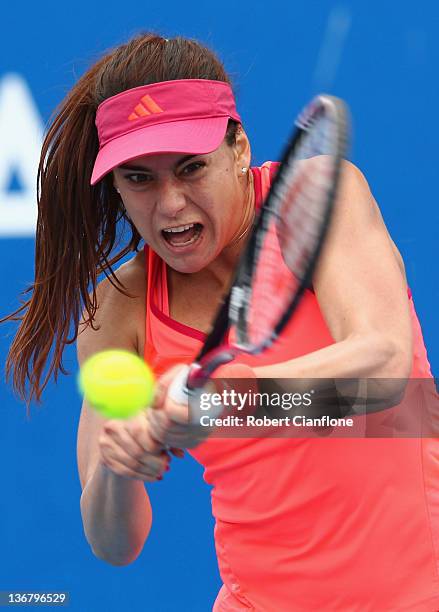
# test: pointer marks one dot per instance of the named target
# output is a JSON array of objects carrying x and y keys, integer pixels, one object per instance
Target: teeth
[{"x": 181, "y": 228}]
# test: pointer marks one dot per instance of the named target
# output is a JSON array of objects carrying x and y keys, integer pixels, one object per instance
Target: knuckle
[
  {"x": 133, "y": 463},
  {"x": 148, "y": 449},
  {"x": 105, "y": 442},
  {"x": 177, "y": 413},
  {"x": 110, "y": 426},
  {"x": 138, "y": 454},
  {"x": 137, "y": 426},
  {"x": 154, "y": 417}
]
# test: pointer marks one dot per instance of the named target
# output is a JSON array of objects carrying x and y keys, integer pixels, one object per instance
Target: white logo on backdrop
[{"x": 21, "y": 136}]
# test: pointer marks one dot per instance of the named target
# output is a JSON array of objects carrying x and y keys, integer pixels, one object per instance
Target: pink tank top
[{"x": 312, "y": 524}]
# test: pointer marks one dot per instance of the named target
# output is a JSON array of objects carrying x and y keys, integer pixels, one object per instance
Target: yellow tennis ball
[{"x": 116, "y": 383}]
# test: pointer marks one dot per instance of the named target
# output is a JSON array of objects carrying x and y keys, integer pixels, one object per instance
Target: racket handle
[
  {"x": 178, "y": 391},
  {"x": 187, "y": 387}
]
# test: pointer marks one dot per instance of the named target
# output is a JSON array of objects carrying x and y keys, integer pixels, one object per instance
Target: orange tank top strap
[{"x": 167, "y": 342}]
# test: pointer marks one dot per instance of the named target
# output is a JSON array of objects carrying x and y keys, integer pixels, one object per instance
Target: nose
[{"x": 170, "y": 198}]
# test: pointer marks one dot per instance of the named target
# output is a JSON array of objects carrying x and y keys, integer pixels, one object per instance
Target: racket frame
[{"x": 234, "y": 307}]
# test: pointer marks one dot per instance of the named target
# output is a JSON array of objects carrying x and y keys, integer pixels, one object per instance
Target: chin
[{"x": 186, "y": 267}]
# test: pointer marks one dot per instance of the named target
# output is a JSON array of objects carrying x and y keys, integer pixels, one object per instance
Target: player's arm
[
  {"x": 362, "y": 293},
  {"x": 115, "y": 508}
]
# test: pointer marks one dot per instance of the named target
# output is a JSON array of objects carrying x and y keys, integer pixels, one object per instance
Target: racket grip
[
  {"x": 181, "y": 392},
  {"x": 178, "y": 391}
]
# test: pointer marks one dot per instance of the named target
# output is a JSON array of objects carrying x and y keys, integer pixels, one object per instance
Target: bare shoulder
[
  {"x": 120, "y": 315},
  {"x": 355, "y": 188},
  {"x": 357, "y": 208},
  {"x": 355, "y": 195}
]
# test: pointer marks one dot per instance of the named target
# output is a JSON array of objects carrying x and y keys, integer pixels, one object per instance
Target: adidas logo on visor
[{"x": 147, "y": 106}]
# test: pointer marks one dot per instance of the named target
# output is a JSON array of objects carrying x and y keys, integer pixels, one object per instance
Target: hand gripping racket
[{"x": 278, "y": 261}]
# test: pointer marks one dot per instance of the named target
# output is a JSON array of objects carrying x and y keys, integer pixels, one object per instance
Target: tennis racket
[{"x": 279, "y": 259}]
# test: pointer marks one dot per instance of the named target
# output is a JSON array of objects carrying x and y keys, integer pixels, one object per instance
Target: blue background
[{"x": 387, "y": 73}]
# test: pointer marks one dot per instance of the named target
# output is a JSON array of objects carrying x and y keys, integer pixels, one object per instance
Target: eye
[
  {"x": 137, "y": 178},
  {"x": 193, "y": 167}
]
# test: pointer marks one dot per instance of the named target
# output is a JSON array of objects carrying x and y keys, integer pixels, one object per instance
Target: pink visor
[{"x": 184, "y": 116}]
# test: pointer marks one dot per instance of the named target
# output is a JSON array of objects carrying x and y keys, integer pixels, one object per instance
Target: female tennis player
[{"x": 151, "y": 134}]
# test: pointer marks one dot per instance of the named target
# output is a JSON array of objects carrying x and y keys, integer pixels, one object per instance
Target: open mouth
[{"x": 183, "y": 235}]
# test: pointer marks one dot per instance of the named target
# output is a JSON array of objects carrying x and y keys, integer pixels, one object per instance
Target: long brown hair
[{"x": 78, "y": 225}]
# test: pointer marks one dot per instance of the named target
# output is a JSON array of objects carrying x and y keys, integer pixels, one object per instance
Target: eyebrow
[{"x": 137, "y": 168}]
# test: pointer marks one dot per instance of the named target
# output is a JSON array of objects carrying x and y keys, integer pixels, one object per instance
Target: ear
[{"x": 242, "y": 150}]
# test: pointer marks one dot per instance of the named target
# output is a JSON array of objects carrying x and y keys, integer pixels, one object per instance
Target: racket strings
[{"x": 293, "y": 227}]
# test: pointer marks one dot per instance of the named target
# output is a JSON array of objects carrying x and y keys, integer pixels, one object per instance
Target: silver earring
[
  {"x": 116, "y": 188},
  {"x": 244, "y": 170}
]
